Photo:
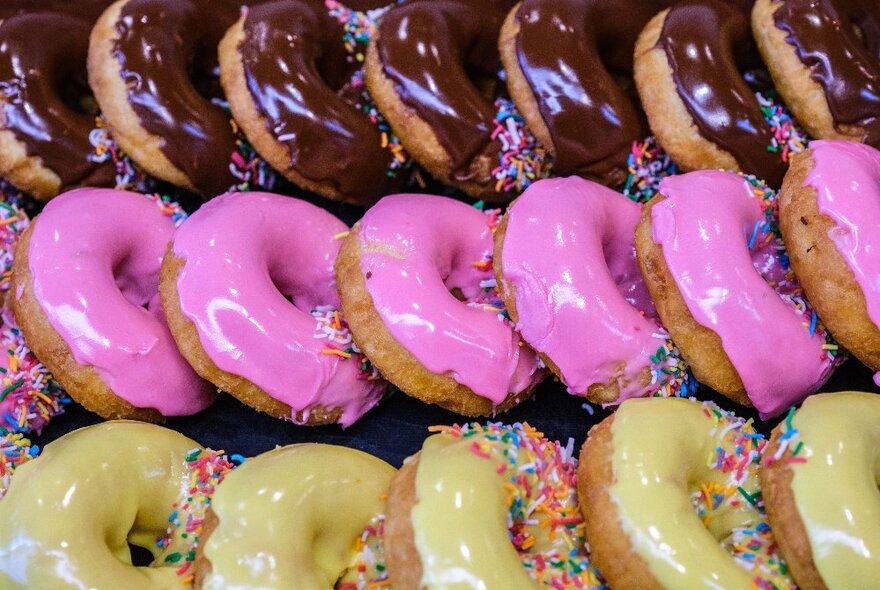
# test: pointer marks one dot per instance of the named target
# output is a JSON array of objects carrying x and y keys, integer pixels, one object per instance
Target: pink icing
[
  {"x": 569, "y": 253},
  {"x": 846, "y": 176},
  {"x": 418, "y": 248},
  {"x": 95, "y": 256},
  {"x": 705, "y": 225},
  {"x": 246, "y": 254}
]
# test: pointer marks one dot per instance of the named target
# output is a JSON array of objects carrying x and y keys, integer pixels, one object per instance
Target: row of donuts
[
  {"x": 479, "y": 506},
  {"x": 337, "y": 115},
  {"x": 278, "y": 303}
]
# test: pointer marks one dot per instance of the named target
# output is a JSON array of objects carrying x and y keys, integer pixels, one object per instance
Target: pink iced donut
[
  {"x": 567, "y": 271},
  {"x": 86, "y": 297},
  {"x": 228, "y": 280},
  {"x": 716, "y": 267},
  {"x": 415, "y": 279}
]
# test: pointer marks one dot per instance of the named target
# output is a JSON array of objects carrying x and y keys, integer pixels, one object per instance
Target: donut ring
[
  {"x": 306, "y": 125},
  {"x": 465, "y": 506},
  {"x": 225, "y": 281},
  {"x": 86, "y": 273},
  {"x": 329, "y": 495},
  {"x": 826, "y": 531},
  {"x": 698, "y": 104},
  {"x": 140, "y": 52},
  {"x": 726, "y": 319},
  {"x": 665, "y": 516},
  {"x": 59, "y": 529},
  {"x": 442, "y": 118},
  {"x": 566, "y": 267},
  {"x": 395, "y": 272},
  {"x": 827, "y": 210},
  {"x": 825, "y": 60},
  {"x": 44, "y": 143}
]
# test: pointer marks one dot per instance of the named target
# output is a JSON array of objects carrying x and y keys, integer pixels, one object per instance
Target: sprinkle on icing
[
  {"x": 522, "y": 160},
  {"x": 368, "y": 570},
  {"x": 331, "y": 327},
  {"x": 647, "y": 165},
  {"x": 245, "y": 164},
  {"x": 670, "y": 374},
  {"x": 15, "y": 450},
  {"x": 544, "y": 523},
  {"x": 788, "y": 137},
  {"x": 128, "y": 175},
  {"x": 789, "y": 440}
]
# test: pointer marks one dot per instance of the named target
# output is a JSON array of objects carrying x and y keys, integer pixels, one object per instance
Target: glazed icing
[
  {"x": 70, "y": 514},
  {"x": 327, "y": 495},
  {"x": 569, "y": 254},
  {"x": 722, "y": 251},
  {"x": 415, "y": 250},
  {"x": 244, "y": 254},
  {"x": 94, "y": 257},
  {"x": 835, "y": 485},
  {"x": 688, "y": 506},
  {"x": 477, "y": 524},
  {"x": 846, "y": 177}
]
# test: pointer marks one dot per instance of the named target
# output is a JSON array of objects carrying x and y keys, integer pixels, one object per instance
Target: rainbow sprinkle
[
  {"x": 15, "y": 450},
  {"x": 245, "y": 164},
  {"x": 367, "y": 571},
  {"x": 647, "y": 165},
  {"x": 670, "y": 375},
  {"x": 128, "y": 175},
  {"x": 789, "y": 440},
  {"x": 331, "y": 327},
  {"x": 788, "y": 136},
  {"x": 522, "y": 160}
]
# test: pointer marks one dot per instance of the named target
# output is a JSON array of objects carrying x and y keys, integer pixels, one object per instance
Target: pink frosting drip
[
  {"x": 95, "y": 256},
  {"x": 705, "y": 226},
  {"x": 846, "y": 176},
  {"x": 439, "y": 245},
  {"x": 246, "y": 254},
  {"x": 569, "y": 253}
]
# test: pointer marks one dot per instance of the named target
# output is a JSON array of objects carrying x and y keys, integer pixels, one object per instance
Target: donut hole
[{"x": 140, "y": 556}]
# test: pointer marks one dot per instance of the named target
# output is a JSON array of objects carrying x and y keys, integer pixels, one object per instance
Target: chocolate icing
[
  {"x": 296, "y": 71},
  {"x": 846, "y": 64},
  {"x": 159, "y": 42},
  {"x": 40, "y": 53},
  {"x": 432, "y": 51},
  {"x": 565, "y": 50},
  {"x": 706, "y": 42}
]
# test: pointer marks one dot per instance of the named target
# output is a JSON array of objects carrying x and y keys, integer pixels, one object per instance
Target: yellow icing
[
  {"x": 70, "y": 514},
  {"x": 664, "y": 451},
  {"x": 290, "y": 517},
  {"x": 836, "y": 489}
]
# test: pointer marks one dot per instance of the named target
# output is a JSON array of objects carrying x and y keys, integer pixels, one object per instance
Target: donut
[
  {"x": 70, "y": 515},
  {"x": 225, "y": 282},
  {"x": 85, "y": 291},
  {"x": 684, "y": 513},
  {"x": 140, "y": 57},
  {"x": 285, "y": 73},
  {"x": 559, "y": 56},
  {"x": 827, "y": 210},
  {"x": 824, "y": 56},
  {"x": 328, "y": 496},
  {"x": 426, "y": 68},
  {"x": 687, "y": 70},
  {"x": 716, "y": 267},
  {"x": 567, "y": 272},
  {"x": 44, "y": 142},
  {"x": 494, "y": 505},
  {"x": 416, "y": 285},
  {"x": 820, "y": 483}
]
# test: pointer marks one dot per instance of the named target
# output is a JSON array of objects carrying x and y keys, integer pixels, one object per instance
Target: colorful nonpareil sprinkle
[
  {"x": 647, "y": 165},
  {"x": 331, "y": 328},
  {"x": 788, "y": 137},
  {"x": 128, "y": 175},
  {"x": 522, "y": 160}
]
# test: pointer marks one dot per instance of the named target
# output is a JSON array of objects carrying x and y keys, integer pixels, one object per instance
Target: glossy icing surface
[
  {"x": 296, "y": 70},
  {"x": 686, "y": 512},
  {"x": 569, "y": 253},
  {"x": 94, "y": 257},
  {"x": 294, "y": 513},
  {"x": 158, "y": 43},
  {"x": 702, "y": 40},
  {"x": 415, "y": 250},
  {"x": 846, "y": 177},
  {"x": 721, "y": 250},
  {"x": 33, "y": 72},
  {"x": 836, "y": 487},
  {"x": 245, "y": 254},
  {"x": 70, "y": 514},
  {"x": 845, "y": 62}
]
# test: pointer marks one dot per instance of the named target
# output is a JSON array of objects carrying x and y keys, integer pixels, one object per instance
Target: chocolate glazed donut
[
  {"x": 44, "y": 142},
  {"x": 557, "y": 54},
  {"x": 688, "y": 66},
  {"x": 420, "y": 70},
  {"x": 285, "y": 73},
  {"x": 824, "y": 56},
  {"x": 141, "y": 57}
]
